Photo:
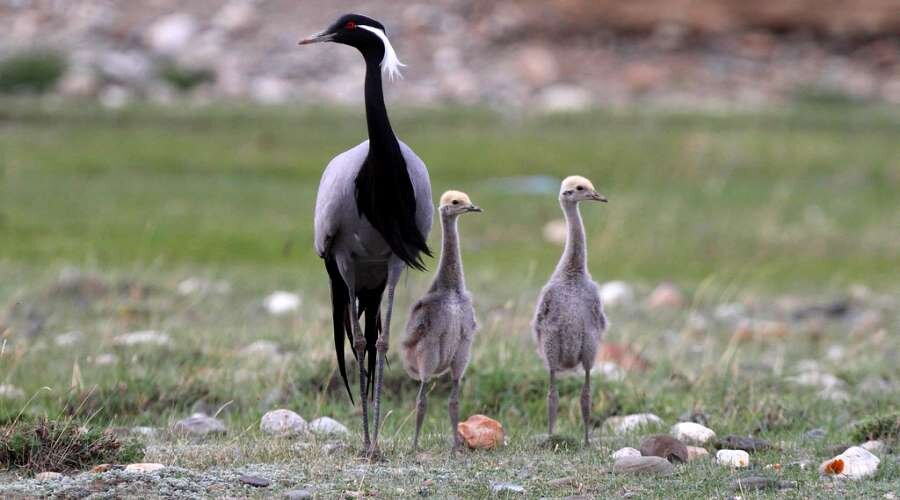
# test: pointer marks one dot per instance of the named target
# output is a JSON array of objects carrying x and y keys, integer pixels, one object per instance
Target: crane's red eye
[{"x": 350, "y": 25}]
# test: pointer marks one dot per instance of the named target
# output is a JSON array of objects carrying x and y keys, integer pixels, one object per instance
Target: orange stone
[
  {"x": 482, "y": 433},
  {"x": 834, "y": 466}
]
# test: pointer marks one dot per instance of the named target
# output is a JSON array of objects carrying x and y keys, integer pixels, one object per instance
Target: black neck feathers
[{"x": 384, "y": 191}]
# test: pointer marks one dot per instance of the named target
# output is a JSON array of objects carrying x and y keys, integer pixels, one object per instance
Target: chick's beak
[
  {"x": 598, "y": 197},
  {"x": 473, "y": 208},
  {"x": 317, "y": 38}
]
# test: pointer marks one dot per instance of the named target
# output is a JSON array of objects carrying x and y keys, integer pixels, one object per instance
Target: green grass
[{"x": 765, "y": 209}]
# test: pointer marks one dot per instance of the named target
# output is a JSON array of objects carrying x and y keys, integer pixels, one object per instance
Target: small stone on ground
[
  {"x": 328, "y": 426},
  {"x": 625, "y": 452},
  {"x": 693, "y": 433},
  {"x": 733, "y": 458},
  {"x": 507, "y": 488},
  {"x": 255, "y": 481},
  {"x": 643, "y": 465},
  {"x": 749, "y": 444},
  {"x": 48, "y": 476},
  {"x": 627, "y": 423},
  {"x": 696, "y": 453},
  {"x": 282, "y": 422},
  {"x": 199, "y": 424},
  {"x": 144, "y": 467},
  {"x": 664, "y": 446}
]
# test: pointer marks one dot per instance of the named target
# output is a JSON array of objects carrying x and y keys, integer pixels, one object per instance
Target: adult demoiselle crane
[{"x": 373, "y": 216}]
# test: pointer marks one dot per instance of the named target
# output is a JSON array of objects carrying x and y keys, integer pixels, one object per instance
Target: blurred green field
[
  {"x": 104, "y": 213},
  {"x": 793, "y": 199}
]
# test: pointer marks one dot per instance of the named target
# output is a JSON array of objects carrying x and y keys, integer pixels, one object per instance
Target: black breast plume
[{"x": 385, "y": 196}]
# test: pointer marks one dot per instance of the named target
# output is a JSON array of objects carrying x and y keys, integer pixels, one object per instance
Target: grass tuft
[
  {"x": 886, "y": 427},
  {"x": 62, "y": 446}
]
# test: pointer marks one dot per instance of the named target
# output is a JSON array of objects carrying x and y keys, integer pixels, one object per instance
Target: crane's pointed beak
[
  {"x": 474, "y": 208},
  {"x": 598, "y": 197},
  {"x": 317, "y": 38}
]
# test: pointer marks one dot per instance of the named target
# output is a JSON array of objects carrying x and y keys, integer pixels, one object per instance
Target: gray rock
[
  {"x": 816, "y": 433},
  {"x": 749, "y": 444},
  {"x": 328, "y": 426},
  {"x": 297, "y": 494},
  {"x": 282, "y": 422},
  {"x": 199, "y": 424},
  {"x": 255, "y": 481},
  {"x": 643, "y": 466}
]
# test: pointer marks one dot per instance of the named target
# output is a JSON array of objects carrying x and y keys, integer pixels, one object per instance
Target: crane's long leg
[
  {"x": 395, "y": 269},
  {"x": 421, "y": 406},
  {"x": 552, "y": 402},
  {"x": 586, "y": 405},
  {"x": 359, "y": 344},
  {"x": 453, "y": 409}
]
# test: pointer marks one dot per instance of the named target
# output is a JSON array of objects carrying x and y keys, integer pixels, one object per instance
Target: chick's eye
[
  {"x": 568, "y": 192},
  {"x": 580, "y": 188},
  {"x": 350, "y": 25},
  {"x": 456, "y": 202}
]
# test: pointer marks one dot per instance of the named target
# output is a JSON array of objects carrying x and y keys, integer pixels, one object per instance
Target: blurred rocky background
[{"x": 547, "y": 54}]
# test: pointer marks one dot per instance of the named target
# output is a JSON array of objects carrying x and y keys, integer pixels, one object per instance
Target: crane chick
[
  {"x": 442, "y": 323},
  {"x": 569, "y": 321}
]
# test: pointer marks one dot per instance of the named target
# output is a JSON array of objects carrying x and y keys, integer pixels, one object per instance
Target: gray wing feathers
[{"x": 336, "y": 208}]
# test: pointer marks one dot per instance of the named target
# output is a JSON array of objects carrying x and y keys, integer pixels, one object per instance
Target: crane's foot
[{"x": 372, "y": 454}]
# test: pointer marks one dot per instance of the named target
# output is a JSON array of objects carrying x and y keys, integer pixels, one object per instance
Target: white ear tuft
[{"x": 389, "y": 63}]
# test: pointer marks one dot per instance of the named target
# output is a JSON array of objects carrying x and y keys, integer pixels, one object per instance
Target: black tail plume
[{"x": 340, "y": 317}]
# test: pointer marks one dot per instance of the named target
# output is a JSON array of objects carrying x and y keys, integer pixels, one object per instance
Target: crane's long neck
[
  {"x": 382, "y": 141},
  {"x": 574, "y": 258},
  {"x": 450, "y": 271},
  {"x": 384, "y": 189}
]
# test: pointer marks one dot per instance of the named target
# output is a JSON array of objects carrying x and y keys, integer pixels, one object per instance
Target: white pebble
[
  {"x": 327, "y": 425},
  {"x": 614, "y": 293},
  {"x": 854, "y": 463},
  {"x": 693, "y": 433},
  {"x": 68, "y": 338},
  {"x": 282, "y": 422},
  {"x": 144, "y": 467},
  {"x": 8, "y": 391},
  {"x": 733, "y": 458},
  {"x": 280, "y": 303},
  {"x": 628, "y": 423},
  {"x": 145, "y": 337},
  {"x": 625, "y": 452}
]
